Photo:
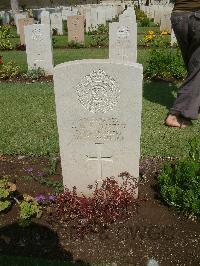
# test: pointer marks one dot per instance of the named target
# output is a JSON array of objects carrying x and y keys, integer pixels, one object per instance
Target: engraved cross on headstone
[{"x": 100, "y": 159}]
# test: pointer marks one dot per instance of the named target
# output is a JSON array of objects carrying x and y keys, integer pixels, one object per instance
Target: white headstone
[
  {"x": 91, "y": 19},
  {"x": 67, "y": 12},
  {"x": 56, "y": 22},
  {"x": 45, "y": 18},
  {"x": 173, "y": 38},
  {"x": 6, "y": 18},
  {"x": 165, "y": 24},
  {"x": 98, "y": 106},
  {"x": 101, "y": 15},
  {"x": 14, "y": 6},
  {"x": 123, "y": 39},
  {"x": 39, "y": 47},
  {"x": 17, "y": 17}
]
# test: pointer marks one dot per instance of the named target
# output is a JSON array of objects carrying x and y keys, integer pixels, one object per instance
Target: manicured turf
[
  {"x": 27, "y": 111},
  {"x": 28, "y": 121},
  {"x": 60, "y": 55},
  {"x": 64, "y": 55}
]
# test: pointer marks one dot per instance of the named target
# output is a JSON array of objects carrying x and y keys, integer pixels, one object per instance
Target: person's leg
[
  {"x": 179, "y": 21},
  {"x": 187, "y": 104}
]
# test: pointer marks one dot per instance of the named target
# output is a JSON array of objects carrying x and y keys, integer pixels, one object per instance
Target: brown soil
[
  {"x": 21, "y": 79},
  {"x": 155, "y": 231}
]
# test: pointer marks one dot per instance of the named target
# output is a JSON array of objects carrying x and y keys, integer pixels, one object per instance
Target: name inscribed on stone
[
  {"x": 123, "y": 33},
  {"x": 98, "y": 92},
  {"x": 97, "y": 130},
  {"x": 37, "y": 35}
]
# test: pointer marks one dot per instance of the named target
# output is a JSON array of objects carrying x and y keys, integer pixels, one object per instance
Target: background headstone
[
  {"x": 6, "y": 18},
  {"x": 56, "y": 23},
  {"x": 24, "y": 22},
  {"x": 123, "y": 39},
  {"x": 17, "y": 17},
  {"x": 75, "y": 25},
  {"x": 173, "y": 38},
  {"x": 39, "y": 47},
  {"x": 45, "y": 18},
  {"x": 14, "y": 6}
]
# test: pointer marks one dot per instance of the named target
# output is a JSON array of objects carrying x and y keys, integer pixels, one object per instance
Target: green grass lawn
[
  {"x": 28, "y": 121},
  {"x": 60, "y": 55},
  {"x": 27, "y": 111},
  {"x": 64, "y": 55}
]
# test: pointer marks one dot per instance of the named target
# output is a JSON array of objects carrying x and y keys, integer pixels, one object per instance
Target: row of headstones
[
  {"x": 122, "y": 40},
  {"x": 98, "y": 107},
  {"x": 94, "y": 17},
  {"x": 161, "y": 16}
]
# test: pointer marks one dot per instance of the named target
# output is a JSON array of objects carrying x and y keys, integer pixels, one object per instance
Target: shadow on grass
[
  {"x": 160, "y": 92},
  {"x": 35, "y": 241}
]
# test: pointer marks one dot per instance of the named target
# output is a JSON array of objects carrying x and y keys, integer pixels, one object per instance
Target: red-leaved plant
[
  {"x": 1, "y": 60},
  {"x": 109, "y": 202}
]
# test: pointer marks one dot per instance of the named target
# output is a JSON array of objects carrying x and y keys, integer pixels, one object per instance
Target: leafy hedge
[{"x": 179, "y": 183}]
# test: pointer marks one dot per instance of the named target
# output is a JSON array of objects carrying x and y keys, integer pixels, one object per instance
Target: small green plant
[
  {"x": 142, "y": 19},
  {"x": 29, "y": 208},
  {"x": 6, "y": 193},
  {"x": 100, "y": 37},
  {"x": 75, "y": 45},
  {"x": 145, "y": 22},
  {"x": 140, "y": 15},
  {"x": 35, "y": 73},
  {"x": 155, "y": 39},
  {"x": 9, "y": 70},
  {"x": 5, "y": 43},
  {"x": 51, "y": 170},
  {"x": 54, "y": 32},
  {"x": 179, "y": 183},
  {"x": 56, "y": 185},
  {"x": 165, "y": 64},
  {"x": 54, "y": 41},
  {"x": 65, "y": 29}
]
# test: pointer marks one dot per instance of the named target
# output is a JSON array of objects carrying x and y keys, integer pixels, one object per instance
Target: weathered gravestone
[
  {"x": 24, "y": 22},
  {"x": 14, "y": 6},
  {"x": 75, "y": 25},
  {"x": 165, "y": 24},
  {"x": 6, "y": 18},
  {"x": 91, "y": 19},
  {"x": 56, "y": 23},
  {"x": 98, "y": 106},
  {"x": 173, "y": 38},
  {"x": 17, "y": 17},
  {"x": 157, "y": 17},
  {"x": 45, "y": 18},
  {"x": 66, "y": 12},
  {"x": 101, "y": 15},
  {"x": 39, "y": 47},
  {"x": 123, "y": 39}
]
